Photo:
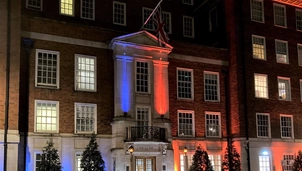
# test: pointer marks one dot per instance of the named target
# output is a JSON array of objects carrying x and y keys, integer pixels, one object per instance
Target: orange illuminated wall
[
  {"x": 161, "y": 99},
  {"x": 296, "y": 3}
]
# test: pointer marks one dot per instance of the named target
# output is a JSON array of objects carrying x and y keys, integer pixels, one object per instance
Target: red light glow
[
  {"x": 160, "y": 88},
  {"x": 295, "y": 3}
]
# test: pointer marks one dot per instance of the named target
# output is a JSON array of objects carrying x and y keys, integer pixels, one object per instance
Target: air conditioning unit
[{"x": 284, "y": 162}]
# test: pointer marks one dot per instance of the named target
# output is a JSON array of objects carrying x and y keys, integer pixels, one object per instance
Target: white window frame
[
  {"x": 259, "y": 48},
  {"x": 299, "y": 53},
  {"x": 287, "y": 56},
  {"x": 219, "y": 124},
  {"x": 288, "y": 96},
  {"x": 216, "y": 161},
  {"x": 262, "y": 6},
  {"x": 258, "y": 87},
  {"x": 150, "y": 23},
  {"x": 66, "y": 14},
  {"x": 299, "y": 22},
  {"x": 292, "y": 126},
  {"x": 57, "y": 85},
  {"x": 76, "y": 69},
  {"x": 76, "y": 161},
  {"x": 169, "y": 31},
  {"x": 57, "y": 116},
  {"x": 181, "y": 160},
  {"x": 288, "y": 160},
  {"x": 149, "y": 113},
  {"x": 125, "y": 12},
  {"x": 192, "y": 30},
  {"x": 193, "y": 123},
  {"x": 266, "y": 162},
  {"x": 187, "y": 2},
  {"x": 149, "y": 76},
  {"x": 285, "y": 19},
  {"x": 95, "y": 118},
  {"x": 268, "y": 126},
  {"x": 35, "y": 158},
  {"x": 218, "y": 85},
  {"x": 192, "y": 82},
  {"x": 93, "y": 11},
  {"x": 39, "y": 8}
]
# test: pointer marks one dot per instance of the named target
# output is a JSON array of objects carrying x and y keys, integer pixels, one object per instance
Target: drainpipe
[{"x": 7, "y": 83}]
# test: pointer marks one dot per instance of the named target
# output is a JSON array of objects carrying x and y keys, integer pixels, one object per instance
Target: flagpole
[{"x": 151, "y": 14}]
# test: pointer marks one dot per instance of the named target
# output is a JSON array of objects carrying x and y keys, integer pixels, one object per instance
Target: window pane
[
  {"x": 185, "y": 123},
  {"x": 66, "y": 7},
  {"x": 261, "y": 89},
  {"x": 257, "y": 10},
  {"x": 85, "y": 74},
  {"x": 213, "y": 125},
  {"x": 87, "y": 9},
  {"x": 85, "y": 117},
  {"x": 45, "y": 121},
  {"x": 142, "y": 77},
  {"x": 211, "y": 86},
  {"x": 184, "y": 84}
]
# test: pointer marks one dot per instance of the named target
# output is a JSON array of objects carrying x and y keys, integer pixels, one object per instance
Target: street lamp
[
  {"x": 131, "y": 150},
  {"x": 185, "y": 159}
]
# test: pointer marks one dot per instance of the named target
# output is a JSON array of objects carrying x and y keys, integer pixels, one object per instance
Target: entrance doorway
[{"x": 145, "y": 164}]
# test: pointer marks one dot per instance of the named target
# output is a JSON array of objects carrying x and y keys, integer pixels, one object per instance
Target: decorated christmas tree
[
  {"x": 92, "y": 159},
  {"x": 50, "y": 160},
  {"x": 297, "y": 166},
  {"x": 231, "y": 161},
  {"x": 201, "y": 161}
]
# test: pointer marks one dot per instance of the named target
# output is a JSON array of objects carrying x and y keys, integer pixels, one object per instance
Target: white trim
[
  {"x": 264, "y": 46},
  {"x": 263, "y": 18},
  {"x": 57, "y": 86},
  {"x": 93, "y": 11},
  {"x": 193, "y": 122},
  {"x": 192, "y": 83},
  {"x": 298, "y": 10},
  {"x": 149, "y": 113},
  {"x": 287, "y": 55},
  {"x": 35, "y": 158},
  {"x": 57, "y": 116},
  {"x": 289, "y": 88},
  {"x": 269, "y": 125},
  {"x": 285, "y": 19},
  {"x": 292, "y": 126},
  {"x": 75, "y": 159},
  {"x": 267, "y": 90},
  {"x": 198, "y": 59},
  {"x": 34, "y": 7},
  {"x": 95, "y": 117},
  {"x": 219, "y": 122},
  {"x": 183, "y": 26},
  {"x": 270, "y": 160},
  {"x": 149, "y": 75},
  {"x": 76, "y": 68},
  {"x": 218, "y": 85},
  {"x": 125, "y": 12},
  {"x": 72, "y": 15}
]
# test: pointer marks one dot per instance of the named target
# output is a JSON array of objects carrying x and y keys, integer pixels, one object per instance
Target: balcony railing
[{"x": 146, "y": 133}]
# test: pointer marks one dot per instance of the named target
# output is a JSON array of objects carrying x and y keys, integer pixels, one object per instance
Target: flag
[{"x": 159, "y": 24}]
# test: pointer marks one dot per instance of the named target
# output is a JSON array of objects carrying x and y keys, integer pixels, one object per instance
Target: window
[
  {"x": 213, "y": 20},
  {"x": 34, "y": 4},
  {"x": 146, "y": 13},
  {"x": 184, "y": 83},
  {"x": 185, "y": 123},
  {"x": 261, "y": 88},
  {"x": 286, "y": 122},
  {"x": 212, "y": 124},
  {"x": 38, "y": 158},
  {"x": 46, "y": 116},
  {"x": 264, "y": 163},
  {"x": 280, "y": 15},
  {"x": 299, "y": 48},
  {"x": 259, "y": 51},
  {"x": 66, "y": 7},
  {"x": 85, "y": 118},
  {"x": 257, "y": 13},
  {"x": 119, "y": 13},
  {"x": 142, "y": 116},
  {"x": 85, "y": 70},
  {"x": 299, "y": 19},
  {"x": 78, "y": 159},
  {"x": 188, "y": 26},
  {"x": 263, "y": 125},
  {"x": 284, "y": 88},
  {"x": 211, "y": 86},
  {"x": 287, "y": 162},
  {"x": 167, "y": 20},
  {"x": 281, "y": 51},
  {"x": 182, "y": 161},
  {"x": 87, "y": 9},
  {"x": 142, "y": 77},
  {"x": 47, "y": 68},
  {"x": 188, "y": 2},
  {"x": 216, "y": 162}
]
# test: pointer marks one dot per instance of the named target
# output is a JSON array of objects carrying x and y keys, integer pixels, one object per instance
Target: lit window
[
  {"x": 182, "y": 161},
  {"x": 85, "y": 78},
  {"x": 257, "y": 13},
  {"x": 142, "y": 77},
  {"x": 216, "y": 162},
  {"x": 280, "y": 15},
  {"x": 87, "y": 9},
  {"x": 211, "y": 86},
  {"x": 188, "y": 26},
  {"x": 263, "y": 125},
  {"x": 66, "y": 7},
  {"x": 286, "y": 122},
  {"x": 264, "y": 163},
  {"x": 34, "y": 4},
  {"x": 188, "y": 2},
  {"x": 78, "y": 159},
  {"x": 184, "y": 83},
  {"x": 85, "y": 118},
  {"x": 185, "y": 123},
  {"x": 119, "y": 13},
  {"x": 213, "y": 19},
  {"x": 167, "y": 21},
  {"x": 261, "y": 88},
  {"x": 38, "y": 159},
  {"x": 284, "y": 88},
  {"x": 299, "y": 47},
  {"x": 299, "y": 19},
  {"x": 281, "y": 51},
  {"x": 287, "y": 162},
  {"x": 47, "y": 68},
  {"x": 142, "y": 116},
  {"x": 212, "y": 124},
  {"x": 146, "y": 13},
  {"x": 259, "y": 51},
  {"x": 46, "y": 118}
]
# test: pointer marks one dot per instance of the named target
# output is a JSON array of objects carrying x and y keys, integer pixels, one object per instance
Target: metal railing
[{"x": 146, "y": 133}]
